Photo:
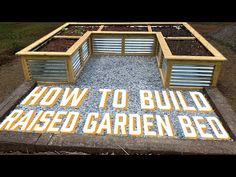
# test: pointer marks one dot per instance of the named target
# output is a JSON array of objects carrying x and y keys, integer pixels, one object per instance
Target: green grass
[{"x": 14, "y": 36}]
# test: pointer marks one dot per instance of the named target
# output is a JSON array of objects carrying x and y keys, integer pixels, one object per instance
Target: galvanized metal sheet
[
  {"x": 191, "y": 75},
  {"x": 107, "y": 44},
  {"x": 139, "y": 45},
  {"x": 47, "y": 70}
]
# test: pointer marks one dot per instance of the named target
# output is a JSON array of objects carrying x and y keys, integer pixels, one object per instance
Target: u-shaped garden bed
[
  {"x": 174, "y": 55},
  {"x": 185, "y": 59}
]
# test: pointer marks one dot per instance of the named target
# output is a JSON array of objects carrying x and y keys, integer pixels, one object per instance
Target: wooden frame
[
  {"x": 171, "y": 59},
  {"x": 160, "y": 45}
]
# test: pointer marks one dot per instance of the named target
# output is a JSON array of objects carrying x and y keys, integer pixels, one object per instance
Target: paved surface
[{"x": 38, "y": 143}]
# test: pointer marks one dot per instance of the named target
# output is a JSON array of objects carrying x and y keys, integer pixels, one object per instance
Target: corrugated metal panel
[
  {"x": 105, "y": 44},
  {"x": 132, "y": 44},
  {"x": 191, "y": 75},
  {"x": 164, "y": 66},
  {"x": 139, "y": 45},
  {"x": 160, "y": 57},
  {"x": 47, "y": 70},
  {"x": 85, "y": 50},
  {"x": 157, "y": 47},
  {"x": 76, "y": 63}
]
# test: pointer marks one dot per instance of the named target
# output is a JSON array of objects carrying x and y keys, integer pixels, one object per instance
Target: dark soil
[
  {"x": 172, "y": 30},
  {"x": 57, "y": 45},
  {"x": 124, "y": 28},
  {"x": 187, "y": 47},
  {"x": 77, "y": 30}
]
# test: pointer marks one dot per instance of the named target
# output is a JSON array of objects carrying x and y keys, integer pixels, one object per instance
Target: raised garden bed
[
  {"x": 77, "y": 30},
  {"x": 56, "y": 59},
  {"x": 185, "y": 59},
  {"x": 187, "y": 47},
  {"x": 56, "y": 45},
  {"x": 172, "y": 30},
  {"x": 188, "y": 63},
  {"x": 124, "y": 28}
]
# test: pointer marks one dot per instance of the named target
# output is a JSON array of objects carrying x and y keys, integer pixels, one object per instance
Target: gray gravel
[{"x": 131, "y": 73}]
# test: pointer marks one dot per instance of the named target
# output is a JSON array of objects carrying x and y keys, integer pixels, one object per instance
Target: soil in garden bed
[
  {"x": 124, "y": 28},
  {"x": 77, "y": 30},
  {"x": 187, "y": 47},
  {"x": 57, "y": 45},
  {"x": 172, "y": 30}
]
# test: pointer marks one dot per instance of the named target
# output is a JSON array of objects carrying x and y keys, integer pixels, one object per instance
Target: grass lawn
[{"x": 14, "y": 36}]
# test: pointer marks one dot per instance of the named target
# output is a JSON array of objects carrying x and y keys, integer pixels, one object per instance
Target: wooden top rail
[
  {"x": 27, "y": 49},
  {"x": 77, "y": 44},
  {"x": 149, "y": 28},
  {"x": 69, "y": 52},
  {"x": 196, "y": 58},
  {"x": 67, "y": 37},
  {"x": 169, "y": 56},
  {"x": 165, "y": 49},
  {"x": 124, "y": 32},
  {"x": 124, "y": 23},
  {"x": 100, "y": 28}
]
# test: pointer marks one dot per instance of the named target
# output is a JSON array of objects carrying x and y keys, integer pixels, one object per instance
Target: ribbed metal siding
[
  {"x": 191, "y": 75},
  {"x": 76, "y": 63},
  {"x": 157, "y": 47},
  {"x": 47, "y": 70},
  {"x": 105, "y": 44},
  {"x": 132, "y": 44},
  {"x": 164, "y": 66},
  {"x": 139, "y": 45},
  {"x": 160, "y": 57},
  {"x": 85, "y": 50}
]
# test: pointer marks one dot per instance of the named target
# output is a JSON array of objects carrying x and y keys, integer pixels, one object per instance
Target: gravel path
[{"x": 131, "y": 73}]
